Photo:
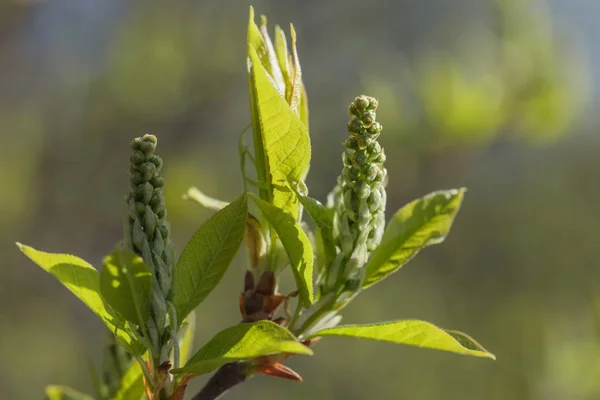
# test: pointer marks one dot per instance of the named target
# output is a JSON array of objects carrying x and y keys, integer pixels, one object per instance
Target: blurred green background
[{"x": 497, "y": 96}]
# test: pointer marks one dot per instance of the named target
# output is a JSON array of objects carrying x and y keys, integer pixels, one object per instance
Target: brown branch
[{"x": 224, "y": 379}]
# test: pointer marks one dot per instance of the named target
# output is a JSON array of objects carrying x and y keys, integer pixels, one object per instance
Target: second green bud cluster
[
  {"x": 359, "y": 197},
  {"x": 147, "y": 233}
]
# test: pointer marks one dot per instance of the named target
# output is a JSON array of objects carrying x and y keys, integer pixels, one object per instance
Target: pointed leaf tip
[
  {"x": 419, "y": 224},
  {"x": 414, "y": 333}
]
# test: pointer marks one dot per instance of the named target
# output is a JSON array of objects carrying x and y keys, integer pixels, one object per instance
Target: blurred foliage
[
  {"x": 516, "y": 78},
  {"x": 80, "y": 78}
]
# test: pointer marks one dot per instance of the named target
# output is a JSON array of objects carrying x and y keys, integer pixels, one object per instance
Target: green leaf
[
  {"x": 126, "y": 285},
  {"x": 282, "y": 144},
  {"x": 56, "y": 392},
  {"x": 207, "y": 256},
  {"x": 187, "y": 343},
  {"x": 414, "y": 333},
  {"x": 297, "y": 86},
  {"x": 243, "y": 342},
  {"x": 323, "y": 219},
  {"x": 262, "y": 45},
  {"x": 82, "y": 280},
  {"x": 272, "y": 65},
  {"x": 256, "y": 42},
  {"x": 296, "y": 244},
  {"x": 132, "y": 384},
  {"x": 283, "y": 58},
  {"x": 304, "y": 107},
  {"x": 419, "y": 224}
]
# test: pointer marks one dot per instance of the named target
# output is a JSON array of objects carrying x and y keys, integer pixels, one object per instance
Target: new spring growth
[
  {"x": 147, "y": 233},
  {"x": 359, "y": 197}
]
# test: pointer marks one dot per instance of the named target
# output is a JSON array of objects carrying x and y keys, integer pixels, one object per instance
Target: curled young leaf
[
  {"x": 255, "y": 242},
  {"x": 281, "y": 141},
  {"x": 296, "y": 244}
]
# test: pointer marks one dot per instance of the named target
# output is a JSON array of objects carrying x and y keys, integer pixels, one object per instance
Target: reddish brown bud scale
[{"x": 259, "y": 302}]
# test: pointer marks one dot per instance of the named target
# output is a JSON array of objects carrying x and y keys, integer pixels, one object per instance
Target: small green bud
[
  {"x": 148, "y": 170},
  {"x": 138, "y": 158},
  {"x": 149, "y": 221},
  {"x": 346, "y": 239},
  {"x": 374, "y": 200},
  {"x": 372, "y": 173},
  {"x": 144, "y": 192},
  {"x": 355, "y": 126},
  {"x": 157, "y": 181},
  {"x": 135, "y": 144},
  {"x": 139, "y": 210},
  {"x": 137, "y": 178},
  {"x": 164, "y": 231},
  {"x": 368, "y": 117},
  {"x": 364, "y": 191},
  {"x": 364, "y": 216},
  {"x": 157, "y": 161},
  {"x": 158, "y": 244},
  {"x": 375, "y": 129}
]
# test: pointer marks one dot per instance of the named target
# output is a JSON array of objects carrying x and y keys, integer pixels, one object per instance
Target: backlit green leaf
[
  {"x": 56, "y": 392},
  {"x": 243, "y": 342},
  {"x": 419, "y": 224},
  {"x": 414, "y": 333},
  {"x": 132, "y": 384},
  {"x": 283, "y": 57},
  {"x": 81, "y": 279},
  {"x": 126, "y": 285},
  {"x": 296, "y": 244},
  {"x": 323, "y": 219},
  {"x": 304, "y": 107},
  {"x": 256, "y": 42},
  {"x": 187, "y": 342},
  {"x": 272, "y": 66},
  {"x": 297, "y": 86},
  {"x": 282, "y": 144},
  {"x": 207, "y": 256}
]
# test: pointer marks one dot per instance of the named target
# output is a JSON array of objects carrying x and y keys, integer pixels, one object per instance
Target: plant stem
[
  {"x": 224, "y": 379},
  {"x": 315, "y": 317}
]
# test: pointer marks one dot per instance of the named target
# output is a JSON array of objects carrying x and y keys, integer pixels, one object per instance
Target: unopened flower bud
[
  {"x": 360, "y": 195},
  {"x": 147, "y": 234}
]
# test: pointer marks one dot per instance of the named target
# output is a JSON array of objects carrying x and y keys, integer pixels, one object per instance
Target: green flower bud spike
[
  {"x": 147, "y": 233},
  {"x": 359, "y": 197}
]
